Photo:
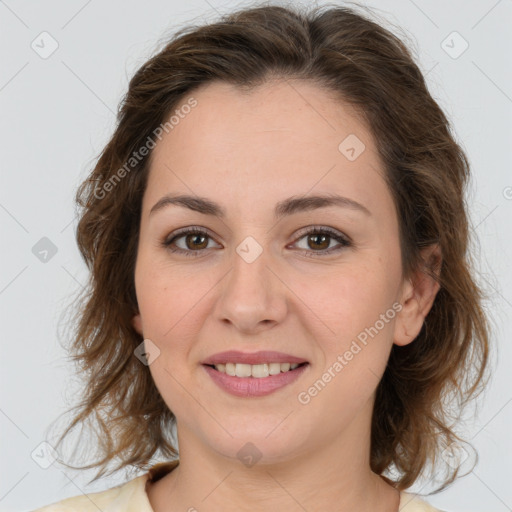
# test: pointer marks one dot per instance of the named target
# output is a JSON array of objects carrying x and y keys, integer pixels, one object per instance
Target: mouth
[{"x": 253, "y": 375}]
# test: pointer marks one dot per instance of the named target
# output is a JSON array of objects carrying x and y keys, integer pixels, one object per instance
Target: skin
[{"x": 247, "y": 152}]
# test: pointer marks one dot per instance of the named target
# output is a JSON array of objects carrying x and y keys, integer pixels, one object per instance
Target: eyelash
[{"x": 314, "y": 230}]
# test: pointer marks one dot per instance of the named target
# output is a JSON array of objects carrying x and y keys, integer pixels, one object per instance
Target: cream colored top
[{"x": 131, "y": 497}]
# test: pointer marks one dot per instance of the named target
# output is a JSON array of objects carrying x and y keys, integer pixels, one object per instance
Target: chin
[{"x": 265, "y": 442}]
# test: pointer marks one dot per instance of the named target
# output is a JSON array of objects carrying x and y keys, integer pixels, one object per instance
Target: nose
[{"x": 252, "y": 297}]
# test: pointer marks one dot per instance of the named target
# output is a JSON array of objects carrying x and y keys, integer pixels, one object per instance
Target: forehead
[
  {"x": 295, "y": 108},
  {"x": 283, "y": 138}
]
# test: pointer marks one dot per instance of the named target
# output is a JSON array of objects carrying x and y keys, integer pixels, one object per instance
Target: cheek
[
  {"x": 173, "y": 304},
  {"x": 355, "y": 338},
  {"x": 169, "y": 301},
  {"x": 167, "y": 295},
  {"x": 350, "y": 300},
  {"x": 356, "y": 305}
]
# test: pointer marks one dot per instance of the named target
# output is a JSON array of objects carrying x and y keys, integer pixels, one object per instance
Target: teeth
[
  {"x": 255, "y": 370},
  {"x": 243, "y": 370}
]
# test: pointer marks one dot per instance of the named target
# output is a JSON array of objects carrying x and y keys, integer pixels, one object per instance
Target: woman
[{"x": 277, "y": 240}]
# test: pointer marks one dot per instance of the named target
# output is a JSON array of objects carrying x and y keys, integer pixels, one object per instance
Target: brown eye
[
  {"x": 319, "y": 239},
  {"x": 190, "y": 242},
  {"x": 193, "y": 241}
]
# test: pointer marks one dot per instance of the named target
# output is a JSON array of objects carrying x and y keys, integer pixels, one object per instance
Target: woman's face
[{"x": 254, "y": 280}]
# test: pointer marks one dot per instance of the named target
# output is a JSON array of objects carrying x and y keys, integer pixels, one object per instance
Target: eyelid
[
  {"x": 189, "y": 229},
  {"x": 323, "y": 229}
]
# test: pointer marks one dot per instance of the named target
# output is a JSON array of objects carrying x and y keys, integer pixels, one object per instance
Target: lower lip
[{"x": 253, "y": 386}]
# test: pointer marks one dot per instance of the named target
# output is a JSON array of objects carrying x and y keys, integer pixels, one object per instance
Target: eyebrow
[{"x": 283, "y": 208}]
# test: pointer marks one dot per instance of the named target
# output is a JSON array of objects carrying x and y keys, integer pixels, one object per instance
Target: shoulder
[
  {"x": 127, "y": 497},
  {"x": 412, "y": 503}
]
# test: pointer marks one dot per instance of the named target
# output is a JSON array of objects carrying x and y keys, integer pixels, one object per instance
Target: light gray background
[{"x": 58, "y": 112}]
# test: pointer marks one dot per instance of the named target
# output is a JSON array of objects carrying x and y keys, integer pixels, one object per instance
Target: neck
[{"x": 334, "y": 472}]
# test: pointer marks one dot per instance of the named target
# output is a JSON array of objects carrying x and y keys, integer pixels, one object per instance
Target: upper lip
[{"x": 264, "y": 356}]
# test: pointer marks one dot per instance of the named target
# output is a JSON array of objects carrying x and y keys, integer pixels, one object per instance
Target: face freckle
[{"x": 248, "y": 153}]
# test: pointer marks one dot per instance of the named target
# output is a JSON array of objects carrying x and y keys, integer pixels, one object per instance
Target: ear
[
  {"x": 418, "y": 294},
  {"x": 137, "y": 323}
]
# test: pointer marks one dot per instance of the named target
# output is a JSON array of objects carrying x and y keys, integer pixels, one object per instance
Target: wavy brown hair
[{"x": 426, "y": 383}]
